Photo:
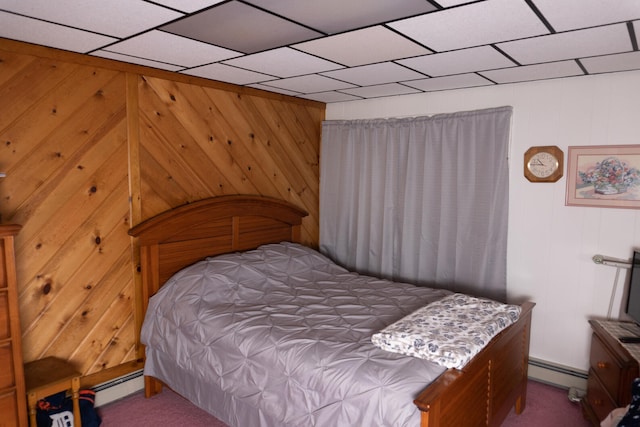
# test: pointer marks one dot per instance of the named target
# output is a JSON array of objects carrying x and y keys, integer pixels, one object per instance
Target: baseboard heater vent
[
  {"x": 119, "y": 387},
  {"x": 539, "y": 370},
  {"x": 557, "y": 368},
  {"x": 559, "y": 375},
  {"x": 118, "y": 381}
]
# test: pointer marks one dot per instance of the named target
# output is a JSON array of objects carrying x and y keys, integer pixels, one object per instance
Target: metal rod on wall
[{"x": 613, "y": 262}]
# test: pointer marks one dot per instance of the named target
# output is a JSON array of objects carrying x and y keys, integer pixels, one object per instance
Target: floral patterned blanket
[{"x": 449, "y": 331}]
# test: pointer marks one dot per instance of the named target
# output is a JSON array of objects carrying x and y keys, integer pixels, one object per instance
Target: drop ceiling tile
[
  {"x": 449, "y": 82},
  {"x": 309, "y": 84},
  {"x": 117, "y": 18},
  {"x": 448, "y": 44},
  {"x": 472, "y": 25},
  {"x": 226, "y": 73},
  {"x": 375, "y": 44},
  {"x": 573, "y": 14},
  {"x": 449, "y": 3},
  {"x": 336, "y": 16},
  {"x": 534, "y": 72},
  {"x": 169, "y": 48},
  {"x": 331, "y": 97},
  {"x": 570, "y": 45},
  {"x": 255, "y": 32},
  {"x": 611, "y": 63},
  {"x": 188, "y": 6},
  {"x": 374, "y": 74},
  {"x": 133, "y": 60},
  {"x": 378, "y": 91},
  {"x": 283, "y": 62},
  {"x": 273, "y": 89},
  {"x": 46, "y": 34},
  {"x": 459, "y": 61}
]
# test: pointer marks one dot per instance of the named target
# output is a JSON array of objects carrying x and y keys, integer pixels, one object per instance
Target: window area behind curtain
[{"x": 423, "y": 199}]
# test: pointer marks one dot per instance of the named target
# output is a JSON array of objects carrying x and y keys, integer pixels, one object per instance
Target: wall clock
[{"x": 543, "y": 164}]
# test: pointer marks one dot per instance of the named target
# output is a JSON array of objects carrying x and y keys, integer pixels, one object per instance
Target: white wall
[{"x": 550, "y": 244}]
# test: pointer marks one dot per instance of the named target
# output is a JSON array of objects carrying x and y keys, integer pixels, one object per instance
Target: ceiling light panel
[
  {"x": 449, "y": 82},
  {"x": 473, "y": 25},
  {"x": 310, "y": 84},
  {"x": 534, "y": 72},
  {"x": 375, "y": 44},
  {"x": 188, "y": 6},
  {"x": 563, "y": 16},
  {"x": 228, "y": 74},
  {"x": 172, "y": 49},
  {"x": 459, "y": 61},
  {"x": 241, "y": 27},
  {"x": 336, "y": 16},
  {"x": 570, "y": 45},
  {"x": 611, "y": 63},
  {"x": 118, "y": 18},
  {"x": 374, "y": 74},
  {"x": 283, "y": 62},
  {"x": 52, "y": 35}
]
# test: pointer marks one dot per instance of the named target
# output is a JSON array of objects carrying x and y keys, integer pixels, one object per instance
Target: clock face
[{"x": 543, "y": 164}]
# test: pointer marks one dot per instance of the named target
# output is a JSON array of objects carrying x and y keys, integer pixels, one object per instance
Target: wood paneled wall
[{"x": 91, "y": 147}]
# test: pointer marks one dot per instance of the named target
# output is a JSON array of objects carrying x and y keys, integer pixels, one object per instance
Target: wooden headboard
[{"x": 181, "y": 236}]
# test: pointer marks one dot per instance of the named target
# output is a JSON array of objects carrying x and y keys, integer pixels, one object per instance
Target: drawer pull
[
  {"x": 598, "y": 402},
  {"x": 601, "y": 365}
]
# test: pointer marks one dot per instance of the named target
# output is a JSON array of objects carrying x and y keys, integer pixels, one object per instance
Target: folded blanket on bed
[{"x": 449, "y": 331}]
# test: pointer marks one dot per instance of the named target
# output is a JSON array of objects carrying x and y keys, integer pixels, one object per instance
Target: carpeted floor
[{"x": 547, "y": 406}]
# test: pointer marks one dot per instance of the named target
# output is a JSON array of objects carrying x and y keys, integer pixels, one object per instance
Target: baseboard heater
[
  {"x": 558, "y": 375},
  {"x": 119, "y": 387},
  {"x": 539, "y": 370}
]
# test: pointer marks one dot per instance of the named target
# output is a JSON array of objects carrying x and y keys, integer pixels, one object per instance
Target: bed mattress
[{"x": 281, "y": 336}]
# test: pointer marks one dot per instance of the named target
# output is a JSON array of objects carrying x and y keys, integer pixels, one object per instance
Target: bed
[{"x": 377, "y": 387}]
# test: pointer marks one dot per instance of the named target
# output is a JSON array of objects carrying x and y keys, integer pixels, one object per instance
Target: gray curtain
[{"x": 420, "y": 199}]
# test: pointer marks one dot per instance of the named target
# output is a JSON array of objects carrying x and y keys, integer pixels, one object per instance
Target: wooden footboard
[{"x": 483, "y": 393}]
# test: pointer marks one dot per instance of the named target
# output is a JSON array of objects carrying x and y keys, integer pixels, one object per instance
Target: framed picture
[{"x": 604, "y": 176}]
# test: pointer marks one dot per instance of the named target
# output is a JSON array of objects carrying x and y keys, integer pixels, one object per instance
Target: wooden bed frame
[{"x": 482, "y": 394}]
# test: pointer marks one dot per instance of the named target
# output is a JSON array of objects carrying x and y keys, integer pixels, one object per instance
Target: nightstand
[
  {"x": 48, "y": 376},
  {"x": 612, "y": 368}
]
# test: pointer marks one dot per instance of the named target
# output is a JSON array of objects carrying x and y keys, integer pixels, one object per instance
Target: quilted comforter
[{"x": 281, "y": 336}]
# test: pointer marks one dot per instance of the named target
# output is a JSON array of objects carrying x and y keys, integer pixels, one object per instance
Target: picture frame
[{"x": 604, "y": 176}]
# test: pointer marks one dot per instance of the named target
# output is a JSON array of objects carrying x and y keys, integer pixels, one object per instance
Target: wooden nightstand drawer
[
  {"x": 605, "y": 365},
  {"x": 611, "y": 372},
  {"x": 599, "y": 399}
]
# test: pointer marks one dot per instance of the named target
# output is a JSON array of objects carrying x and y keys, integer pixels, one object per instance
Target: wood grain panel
[
  {"x": 65, "y": 155},
  {"x": 92, "y": 147},
  {"x": 231, "y": 143}
]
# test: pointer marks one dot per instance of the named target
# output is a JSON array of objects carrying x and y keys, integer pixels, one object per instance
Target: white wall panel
[{"x": 550, "y": 244}]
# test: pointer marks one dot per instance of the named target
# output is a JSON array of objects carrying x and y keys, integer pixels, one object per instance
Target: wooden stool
[{"x": 48, "y": 376}]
